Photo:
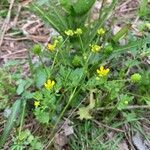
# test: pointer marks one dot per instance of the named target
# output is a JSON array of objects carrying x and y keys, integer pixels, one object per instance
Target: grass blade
[
  {"x": 10, "y": 123},
  {"x": 124, "y": 30},
  {"x": 52, "y": 16},
  {"x": 90, "y": 35}
]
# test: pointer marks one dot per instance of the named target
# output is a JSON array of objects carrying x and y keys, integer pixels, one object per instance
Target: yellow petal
[
  {"x": 102, "y": 68},
  {"x": 98, "y": 71},
  {"x": 53, "y": 83}
]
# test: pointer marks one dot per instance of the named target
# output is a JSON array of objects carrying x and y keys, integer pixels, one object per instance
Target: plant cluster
[
  {"x": 79, "y": 63},
  {"x": 82, "y": 68}
]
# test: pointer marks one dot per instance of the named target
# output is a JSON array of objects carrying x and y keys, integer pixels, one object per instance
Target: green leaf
[
  {"x": 21, "y": 85},
  {"x": 124, "y": 100},
  {"x": 10, "y": 122},
  {"x": 40, "y": 77},
  {"x": 144, "y": 10},
  {"x": 70, "y": 77},
  {"x": 84, "y": 113},
  {"x": 66, "y": 5},
  {"x": 42, "y": 116},
  {"x": 130, "y": 116},
  {"x": 78, "y": 7},
  {"x": 82, "y": 6},
  {"x": 24, "y": 135},
  {"x": 38, "y": 95},
  {"x": 132, "y": 46},
  {"x": 75, "y": 76},
  {"x": 36, "y": 144}
]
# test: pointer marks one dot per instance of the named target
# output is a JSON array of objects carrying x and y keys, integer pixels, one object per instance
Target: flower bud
[
  {"x": 136, "y": 77},
  {"x": 36, "y": 49}
]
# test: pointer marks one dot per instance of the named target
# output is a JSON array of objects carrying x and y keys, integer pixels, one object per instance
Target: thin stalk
[
  {"x": 81, "y": 43},
  {"x": 62, "y": 57},
  {"x": 40, "y": 58},
  {"x": 100, "y": 11},
  {"x": 57, "y": 52},
  {"x": 86, "y": 63},
  {"x": 62, "y": 113},
  {"x": 30, "y": 63},
  {"x": 54, "y": 59}
]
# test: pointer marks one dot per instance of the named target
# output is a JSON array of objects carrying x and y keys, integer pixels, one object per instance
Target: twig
[
  {"x": 16, "y": 57},
  {"x": 29, "y": 37},
  {"x": 111, "y": 128},
  {"x": 128, "y": 136},
  {"x": 125, "y": 3},
  {"x": 128, "y": 107},
  {"x": 5, "y": 56},
  {"x": 17, "y": 16},
  {"x": 129, "y": 9},
  {"x": 6, "y": 22},
  {"x": 16, "y": 39}
]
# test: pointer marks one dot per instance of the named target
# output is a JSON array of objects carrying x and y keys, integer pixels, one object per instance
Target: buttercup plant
[
  {"x": 82, "y": 75},
  {"x": 77, "y": 63}
]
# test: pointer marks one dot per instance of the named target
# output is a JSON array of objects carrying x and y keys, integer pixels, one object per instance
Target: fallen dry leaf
[{"x": 123, "y": 146}]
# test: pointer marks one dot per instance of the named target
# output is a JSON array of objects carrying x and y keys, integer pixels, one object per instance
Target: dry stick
[
  {"x": 23, "y": 50},
  {"x": 17, "y": 39},
  {"x": 28, "y": 37},
  {"x": 17, "y": 16},
  {"x": 6, "y": 22},
  {"x": 128, "y": 137},
  {"x": 125, "y": 3},
  {"x": 128, "y": 107},
  {"x": 129, "y": 9},
  {"x": 111, "y": 128}
]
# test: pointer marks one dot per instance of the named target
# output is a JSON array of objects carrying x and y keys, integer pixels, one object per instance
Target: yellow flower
[
  {"x": 36, "y": 104},
  {"x": 102, "y": 71},
  {"x": 52, "y": 47},
  {"x": 95, "y": 48},
  {"x": 101, "y": 31},
  {"x": 78, "y": 31},
  {"x": 69, "y": 32},
  {"x": 49, "y": 84}
]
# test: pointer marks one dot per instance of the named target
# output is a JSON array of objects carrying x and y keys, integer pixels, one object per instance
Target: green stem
[
  {"x": 55, "y": 57},
  {"x": 62, "y": 113},
  {"x": 30, "y": 63},
  {"x": 81, "y": 43},
  {"x": 40, "y": 58}
]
